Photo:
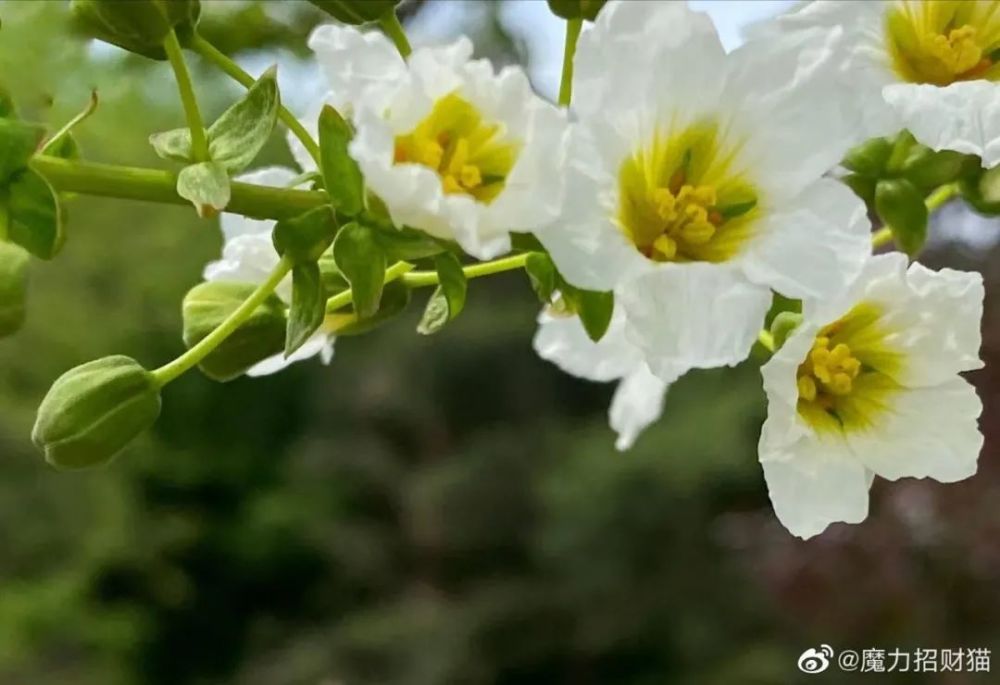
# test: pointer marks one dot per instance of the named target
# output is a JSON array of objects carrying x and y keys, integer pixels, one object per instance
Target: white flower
[
  {"x": 694, "y": 180},
  {"x": 638, "y": 399},
  {"x": 248, "y": 256},
  {"x": 450, "y": 147},
  {"x": 868, "y": 385},
  {"x": 930, "y": 66}
]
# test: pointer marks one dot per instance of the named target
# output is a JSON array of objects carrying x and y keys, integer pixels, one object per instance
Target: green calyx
[
  {"x": 356, "y": 12},
  {"x": 576, "y": 9},
  {"x": 139, "y": 26}
]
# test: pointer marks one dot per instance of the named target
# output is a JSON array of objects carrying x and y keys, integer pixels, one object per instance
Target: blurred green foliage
[{"x": 424, "y": 511}]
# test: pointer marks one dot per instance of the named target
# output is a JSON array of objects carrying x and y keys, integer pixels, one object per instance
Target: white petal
[
  {"x": 693, "y": 315},
  {"x": 814, "y": 486},
  {"x": 637, "y": 403},
  {"x": 320, "y": 344},
  {"x": 248, "y": 259},
  {"x": 929, "y": 433},
  {"x": 964, "y": 116},
  {"x": 783, "y": 426},
  {"x": 563, "y": 341},
  {"x": 355, "y": 63},
  {"x": 812, "y": 246},
  {"x": 234, "y": 225}
]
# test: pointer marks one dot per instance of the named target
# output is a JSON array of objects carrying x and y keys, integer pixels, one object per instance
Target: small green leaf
[
  {"x": 308, "y": 306},
  {"x": 261, "y": 336},
  {"x": 333, "y": 281},
  {"x": 542, "y": 273},
  {"x": 448, "y": 298},
  {"x": 35, "y": 215},
  {"x": 362, "y": 262},
  {"x": 304, "y": 238},
  {"x": 356, "y": 11},
  {"x": 206, "y": 185},
  {"x": 870, "y": 158},
  {"x": 242, "y": 130},
  {"x": 13, "y": 288},
  {"x": 594, "y": 309},
  {"x": 928, "y": 169},
  {"x": 395, "y": 298},
  {"x": 174, "y": 144},
  {"x": 862, "y": 186},
  {"x": 901, "y": 207},
  {"x": 18, "y": 142},
  {"x": 407, "y": 244},
  {"x": 341, "y": 175}
]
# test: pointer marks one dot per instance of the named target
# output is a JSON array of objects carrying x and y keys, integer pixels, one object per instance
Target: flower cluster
[{"x": 681, "y": 205}]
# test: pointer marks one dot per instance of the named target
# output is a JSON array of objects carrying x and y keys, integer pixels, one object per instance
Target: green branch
[{"x": 199, "y": 140}]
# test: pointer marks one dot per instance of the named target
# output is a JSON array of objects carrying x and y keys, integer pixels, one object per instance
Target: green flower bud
[
  {"x": 93, "y": 411},
  {"x": 783, "y": 325},
  {"x": 576, "y": 9},
  {"x": 356, "y": 11},
  {"x": 261, "y": 336},
  {"x": 901, "y": 206},
  {"x": 13, "y": 288},
  {"x": 927, "y": 169},
  {"x": 139, "y": 26},
  {"x": 869, "y": 158},
  {"x": 982, "y": 191}
]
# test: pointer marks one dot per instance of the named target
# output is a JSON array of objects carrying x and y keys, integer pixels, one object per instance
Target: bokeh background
[{"x": 425, "y": 510}]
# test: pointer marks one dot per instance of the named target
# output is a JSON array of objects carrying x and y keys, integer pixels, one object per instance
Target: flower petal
[
  {"x": 234, "y": 225},
  {"x": 320, "y": 344},
  {"x": 637, "y": 403},
  {"x": 563, "y": 341}
]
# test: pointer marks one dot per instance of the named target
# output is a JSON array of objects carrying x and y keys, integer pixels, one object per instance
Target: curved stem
[
  {"x": 235, "y": 72},
  {"x": 169, "y": 372},
  {"x": 52, "y": 142},
  {"x": 573, "y": 28},
  {"x": 934, "y": 201},
  {"x": 422, "y": 279},
  {"x": 199, "y": 141},
  {"x": 392, "y": 28},
  {"x": 155, "y": 185}
]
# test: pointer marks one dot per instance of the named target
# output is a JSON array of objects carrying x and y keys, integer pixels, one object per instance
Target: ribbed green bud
[
  {"x": 356, "y": 11},
  {"x": 93, "y": 411},
  {"x": 576, "y": 9},
  {"x": 982, "y": 191},
  {"x": 261, "y": 336},
  {"x": 901, "y": 206},
  {"x": 13, "y": 288},
  {"x": 869, "y": 158},
  {"x": 139, "y": 26},
  {"x": 927, "y": 169}
]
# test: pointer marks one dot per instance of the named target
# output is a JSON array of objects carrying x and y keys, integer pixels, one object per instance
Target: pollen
[
  {"x": 940, "y": 42},
  {"x": 470, "y": 155}
]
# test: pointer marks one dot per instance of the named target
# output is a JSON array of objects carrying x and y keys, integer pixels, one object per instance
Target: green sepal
[
  {"x": 304, "y": 238},
  {"x": 308, "y": 309},
  {"x": 783, "y": 325},
  {"x": 594, "y": 308},
  {"x": 543, "y": 275},
  {"x": 927, "y": 169},
  {"x": 362, "y": 261},
  {"x": 35, "y": 216},
  {"x": 982, "y": 191},
  {"x": 333, "y": 281},
  {"x": 206, "y": 186},
  {"x": 139, "y": 26},
  {"x": 341, "y": 175},
  {"x": 262, "y": 335},
  {"x": 235, "y": 138},
  {"x": 395, "y": 298},
  {"x": 93, "y": 411},
  {"x": 19, "y": 140},
  {"x": 869, "y": 158},
  {"x": 356, "y": 12},
  {"x": 576, "y": 9},
  {"x": 901, "y": 207},
  {"x": 448, "y": 299},
  {"x": 862, "y": 186},
  {"x": 407, "y": 244},
  {"x": 13, "y": 288}
]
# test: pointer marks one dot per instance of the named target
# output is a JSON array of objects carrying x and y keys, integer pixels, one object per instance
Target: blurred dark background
[{"x": 425, "y": 510}]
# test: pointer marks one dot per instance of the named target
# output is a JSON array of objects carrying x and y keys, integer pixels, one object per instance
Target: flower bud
[
  {"x": 261, "y": 336},
  {"x": 901, "y": 207},
  {"x": 576, "y": 9},
  {"x": 93, "y": 411},
  {"x": 13, "y": 288},
  {"x": 139, "y": 26},
  {"x": 356, "y": 11},
  {"x": 927, "y": 169},
  {"x": 869, "y": 158},
  {"x": 783, "y": 325},
  {"x": 982, "y": 191}
]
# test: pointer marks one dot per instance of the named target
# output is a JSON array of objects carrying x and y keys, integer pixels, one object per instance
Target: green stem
[
  {"x": 169, "y": 372},
  {"x": 199, "y": 142},
  {"x": 392, "y": 28},
  {"x": 235, "y": 72},
  {"x": 71, "y": 124},
  {"x": 934, "y": 201},
  {"x": 344, "y": 298},
  {"x": 154, "y": 185},
  {"x": 573, "y": 28},
  {"x": 422, "y": 279}
]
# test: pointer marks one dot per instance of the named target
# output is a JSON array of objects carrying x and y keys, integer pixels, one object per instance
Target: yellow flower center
[
  {"x": 944, "y": 41},
  {"x": 471, "y": 156},
  {"x": 679, "y": 199},
  {"x": 846, "y": 379}
]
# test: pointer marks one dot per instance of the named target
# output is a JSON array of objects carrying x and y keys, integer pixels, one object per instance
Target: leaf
[
  {"x": 18, "y": 142},
  {"x": 448, "y": 298},
  {"x": 395, "y": 298},
  {"x": 13, "y": 288},
  {"x": 308, "y": 306},
  {"x": 407, "y": 244},
  {"x": 35, "y": 215},
  {"x": 206, "y": 185},
  {"x": 304, "y": 238},
  {"x": 242, "y": 130},
  {"x": 174, "y": 144},
  {"x": 362, "y": 262},
  {"x": 901, "y": 207},
  {"x": 333, "y": 281},
  {"x": 542, "y": 273},
  {"x": 594, "y": 309},
  {"x": 341, "y": 175}
]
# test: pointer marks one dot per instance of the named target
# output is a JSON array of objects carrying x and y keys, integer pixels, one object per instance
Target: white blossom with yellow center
[
  {"x": 450, "y": 147},
  {"x": 930, "y": 66},
  {"x": 694, "y": 180},
  {"x": 869, "y": 385}
]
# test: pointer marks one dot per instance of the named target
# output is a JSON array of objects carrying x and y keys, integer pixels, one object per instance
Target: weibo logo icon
[{"x": 816, "y": 660}]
